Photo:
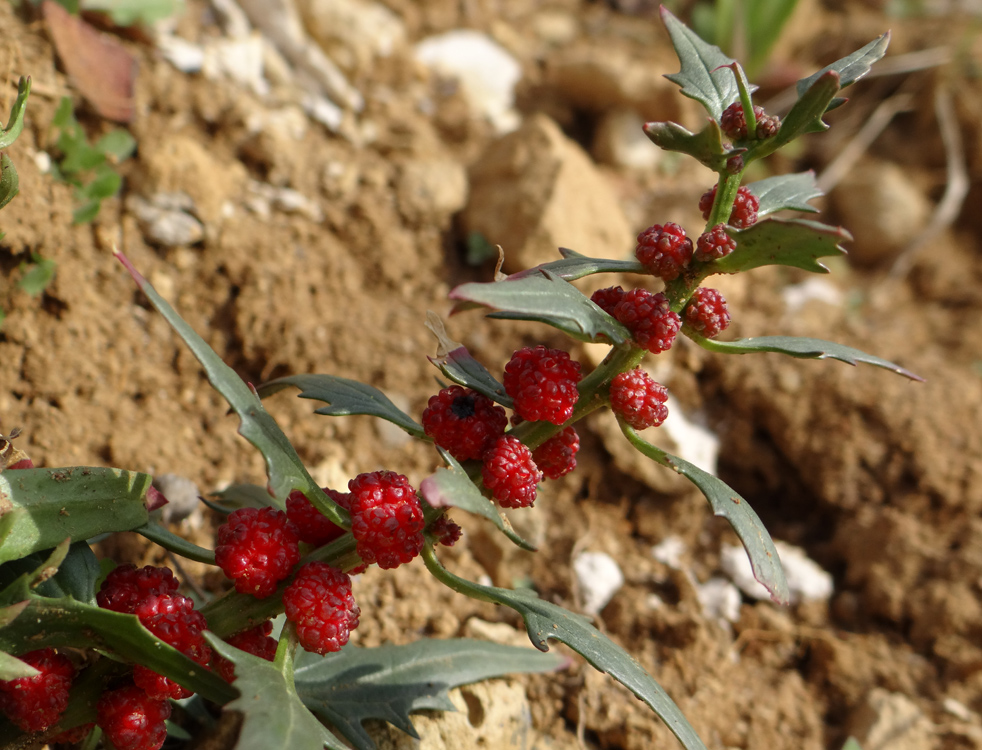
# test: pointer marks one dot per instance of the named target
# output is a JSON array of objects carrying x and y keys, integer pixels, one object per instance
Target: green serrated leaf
[
  {"x": 86, "y": 212},
  {"x": 460, "y": 367},
  {"x": 575, "y": 266},
  {"x": 9, "y": 181},
  {"x": 284, "y": 468},
  {"x": 240, "y": 496},
  {"x": 344, "y": 397},
  {"x": 117, "y": 143},
  {"x": 273, "y": 714},
  {"x": 782, "y": 242},
  {"x": 37, "y": 275},
  {"x": 544, "y": 620},
  {"x": 453, "y": 488},
  {"x": 706, "y": 145},
  {"x": 805, "y": 117},
  {"x": 65, "y": 622},
  {"x": 703, "y": 75},
  {"x": 15, "y": 122},
  {"x": 852, "y": 67},
  {"x": 76, "y": 577},
  {"x": 131, "y": 12},
  {"x": 12, "y": 668},
  {"x": 42, "y": 507},
  {"x": 390, "y": 682},
  {"x": 786, "y": 192},
  {"x": 802, "y": 348},
  {"x": 547, "y": 298},
  {"x": 727, "y": 503}
]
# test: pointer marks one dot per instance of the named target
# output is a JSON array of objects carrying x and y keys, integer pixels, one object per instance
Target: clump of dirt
[{"x": 879, "y": 478}]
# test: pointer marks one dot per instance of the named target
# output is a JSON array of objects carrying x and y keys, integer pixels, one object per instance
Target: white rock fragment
[
  {"x": 959, "y": 710},
  {"x": 166, "y": 219},
  {"x": 266, "y": 197},
  {"x": 186, "y": 56},
  {"x": 487, "y": 72},
  {"x": 669, "y": 552},
  {"x": 806, "y": 580},
  {"x": 238, "y": 60},
  {"x": 621, "y": 142},
  {"x": 599, "y": 578},
  {"x": 797, "y": 295},
  {"x": 695, "y": 443},
  {"x": 182, "y": 496},
  {"x": 891, "y": 721},
  {"x": 719, "y": 599}
]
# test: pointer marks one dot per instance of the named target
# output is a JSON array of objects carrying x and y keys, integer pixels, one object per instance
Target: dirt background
[{"x": 878, "y": 478}]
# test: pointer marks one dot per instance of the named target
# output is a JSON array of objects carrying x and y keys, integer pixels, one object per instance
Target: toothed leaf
[
  {"x": 544, "y": 620},
  {"x": 453, "y": 488},
  {"x": 547, "y": 298},
  {"x": 786, "y": 192},
  {"x": 344, "y": 397},
  {"x": 706, "y": 145},
  {"x": 802, "y": 348},
  {"x": 463, "y": 369},
  {"x": 703, "y": 75},
  {"x": 575, "y": 266},
  {"x": 390, "y": 682},
  {"x": 727, "y": 503},
  {"x": 782, "y": 242}
]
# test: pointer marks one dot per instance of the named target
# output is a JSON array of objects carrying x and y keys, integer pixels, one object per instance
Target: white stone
[
  {"x": 182, "y": 496},
  {"x": 621, "y": 142},
  {"x": 186, "y": 56},
  {"x": 166, "y": 219},
  {"x": 796, "y": 296},
  {"x": 239, "y": 60},
  {"x": 599, "y": 577},
  {"x": 669, "y": 552},
  {"x": 720, "y": 599},
  {"x": 806, "y": 580},
  {"x": 695, "y": 443},
  {"x": 487, "y": 72},
  {"x": 284, "y": 199}
]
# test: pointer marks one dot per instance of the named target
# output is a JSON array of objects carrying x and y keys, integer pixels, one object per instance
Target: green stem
[
  {"x": 176, "y": 544},
  {"x": 746, "y": 101},
  {"x": 726, "y": 193},
  {"x": 448, "y": 579}
]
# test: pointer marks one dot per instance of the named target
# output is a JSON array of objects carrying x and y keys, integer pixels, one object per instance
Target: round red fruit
[
  {"x": 556, "y": 457},
  {"x": 319, "y": 601},
  {"x": 542, "y": 382},
  {"x": 463, "y": 422},
  {"x": 510, "y": 473},
  {"x": 664, "y": 251},
  {"x": 257, "y": 548},
  {"x": 386, "y": 518},
  {"x": 636, "y": 398},
  {"x": 706, "y": 312}
]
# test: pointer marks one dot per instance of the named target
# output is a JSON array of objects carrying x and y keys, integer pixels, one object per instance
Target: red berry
[
  {"x": 255, "y": 641},
  {"x": 173, "y": 620},
  {"x": 463, "y": 421},
  {"x": 36, "y": 703},
  {"x": 556, "y": 457},
  {"x": 257, "y": 548},
  {"x": 652, "y": 324},
  {"x": 637, "y": 399},
  {"x": 132, "y": 720},
  {"x": 542, "y": 382},
  {"x": 125, "y": 586},
  {"x": 745, "y": 207},
  {"x": 320, "y": 602},
  {"x": 664, "y": 250},
  {"x": 312, "y": 526},
  {"x": 706, "y": 312},
  {"x": 607, "y": 299},
  {"x": 386, "y": 518},
  {"x": 733, "y": 123},
  {"x": 510, "y": 473},
  {"x": 445, "y": 531},
  {"x": 714, "y": 244}
]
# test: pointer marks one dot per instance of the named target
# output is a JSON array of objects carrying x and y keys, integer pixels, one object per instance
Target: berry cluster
[
  {"x": 664, "y": 251},
  {"x": 745, "y": 207},
  {"x": 37, "y": 703},
  {"x": 319, "y": 602},
  {"x": 257, "y": 548},
  {"x": 255, "y": 641},
  {"x": 733, "y": 123}
]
